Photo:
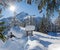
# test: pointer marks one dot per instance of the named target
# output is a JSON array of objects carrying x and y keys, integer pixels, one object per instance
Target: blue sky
[{"x": 24, "y": 7}]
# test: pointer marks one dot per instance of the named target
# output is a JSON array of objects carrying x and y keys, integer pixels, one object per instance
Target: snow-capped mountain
[
  {"x": 21, "y": 16},
  {"x": 21, "y": 20}
]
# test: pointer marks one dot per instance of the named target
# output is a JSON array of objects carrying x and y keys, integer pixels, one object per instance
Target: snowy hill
[{"x": 21, "y": 42}]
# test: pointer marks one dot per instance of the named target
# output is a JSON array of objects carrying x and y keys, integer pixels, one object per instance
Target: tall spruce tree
[{"x": 44, "y": 24}]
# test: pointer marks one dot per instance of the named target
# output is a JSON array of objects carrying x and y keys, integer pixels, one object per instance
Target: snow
[
  {"x": 1, "y": 43},
  {"x": 46, "y": 37},
  {"x": 54, "y": 47},
  {"x": 34, "y": 45},
  {"x": 39, "y": 41},
  {"x": 17, "y": 32},
  {"x": 22, "y": 42}
]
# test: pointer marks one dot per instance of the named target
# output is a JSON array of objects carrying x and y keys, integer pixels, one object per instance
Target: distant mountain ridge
[{"x": 20, "y": 17}]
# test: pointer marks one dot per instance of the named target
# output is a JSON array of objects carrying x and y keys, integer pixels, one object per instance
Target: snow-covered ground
[
  {"x": 38, "y": 41},
  {"x": 54, "y": 47}
]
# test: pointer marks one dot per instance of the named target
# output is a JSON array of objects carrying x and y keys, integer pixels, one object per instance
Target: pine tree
[
  {"x": 44, "y": 24},
  {"x": 57, "y": 21},
  {"x": 2, "y": 28}
]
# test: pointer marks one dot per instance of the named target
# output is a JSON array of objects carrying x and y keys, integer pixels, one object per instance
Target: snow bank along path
[{"x": 46, "y": 37}]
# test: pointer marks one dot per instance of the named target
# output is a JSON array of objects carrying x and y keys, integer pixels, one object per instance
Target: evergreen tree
[
  {"x": 57, "y": 21},
  {"x": 50, "y": 5},
  {"x": 44, "y": 24},
  {"x": 2, "y": 28}
]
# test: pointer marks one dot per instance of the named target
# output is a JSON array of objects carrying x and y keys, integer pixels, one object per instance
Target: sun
[{"x": 12, "y": 8}]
